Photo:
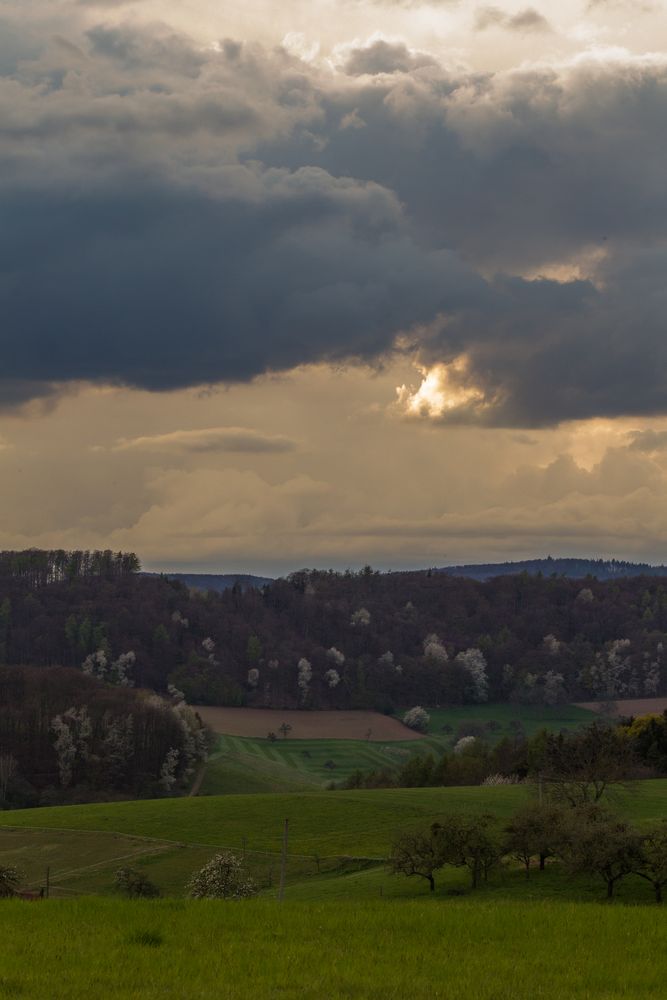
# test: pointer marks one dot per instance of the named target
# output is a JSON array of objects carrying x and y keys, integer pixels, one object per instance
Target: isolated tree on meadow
[
  {"x": 416, "y": 854},
  {"x": 223, "y": 877},
  {"x": 579, "y": 767},
  {"x": 417, "y": 718},
  {"x": 469, "y": 841},
  {"x": 652, "y": 864},
  {"x": 596, "y": 842},
  {"x": 532, "y": 832}
]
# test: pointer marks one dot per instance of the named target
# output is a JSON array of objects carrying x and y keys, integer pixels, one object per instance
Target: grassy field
[
  {"x": 245, "y": 764},
  {"x": 299, "y": 764},
  {"x": 262, "y": 950},
  {"x": 341, "y": 835},
  {"x": 531, "y": 718}
]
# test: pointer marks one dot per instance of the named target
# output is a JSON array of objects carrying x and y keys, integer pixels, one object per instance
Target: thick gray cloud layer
[{"x": 175, "y": 216}]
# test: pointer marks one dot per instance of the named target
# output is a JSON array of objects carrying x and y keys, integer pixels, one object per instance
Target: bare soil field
[
  {"x": 626, "y": 706},
  {"x": 257, "y": 722}
]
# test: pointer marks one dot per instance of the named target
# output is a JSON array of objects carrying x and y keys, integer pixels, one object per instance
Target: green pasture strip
[
  {"x": 326, "y": 760},
  {"x": 431, "y": 949},
  {"x": 532, "y": 717},
  {"x": 245, "y": 773},
  {"x": 359, "y": 823}
]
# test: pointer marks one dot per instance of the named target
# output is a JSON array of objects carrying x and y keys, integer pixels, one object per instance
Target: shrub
[
  {"x": 224, "y": 877},
  {"x": 417, "y": 718},
  {"x": 10, "y": 879}
]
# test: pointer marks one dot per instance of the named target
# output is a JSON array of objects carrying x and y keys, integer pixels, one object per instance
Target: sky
[{"x": 330, "y": 282}]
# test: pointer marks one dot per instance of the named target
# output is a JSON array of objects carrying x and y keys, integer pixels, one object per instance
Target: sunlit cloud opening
[{"x": 444, "y": 391}]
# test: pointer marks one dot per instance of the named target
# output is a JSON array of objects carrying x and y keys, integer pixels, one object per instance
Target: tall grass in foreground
[{"x": 262, "y": 950}]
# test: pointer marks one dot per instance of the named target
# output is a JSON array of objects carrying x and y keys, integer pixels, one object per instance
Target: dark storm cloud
[
  {"x": 545, "y": 352},
  {"x": 160, "y": 288},
  {"x": 176, "y": 216},
  {"x": 131, "y": 49}
]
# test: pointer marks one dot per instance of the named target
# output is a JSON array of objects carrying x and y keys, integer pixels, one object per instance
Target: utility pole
[{"x": 283, "y": 862}]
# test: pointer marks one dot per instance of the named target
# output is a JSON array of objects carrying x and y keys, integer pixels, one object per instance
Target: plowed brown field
[{"x": 306, "y": 725}]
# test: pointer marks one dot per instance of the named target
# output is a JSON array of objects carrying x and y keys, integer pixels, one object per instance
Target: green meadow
[
  {"x": 531, "y": 718},
  {"x": 347, "y": 929},
  {"x": 379, "y": 950},
  {"x": 337, "y": 842}
]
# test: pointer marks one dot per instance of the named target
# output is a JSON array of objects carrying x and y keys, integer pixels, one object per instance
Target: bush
[
  {"x": 10, "y": 879},
  {"x": 417, "y": 718},
  {"x": 224, "y": 877}
]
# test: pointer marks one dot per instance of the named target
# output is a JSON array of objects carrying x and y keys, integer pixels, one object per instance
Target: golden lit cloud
[{"x": 445, "y": 391}]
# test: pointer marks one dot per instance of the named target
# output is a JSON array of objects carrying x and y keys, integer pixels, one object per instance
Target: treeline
[
  {"x": 575, "y": 767},
  {"x": 38, "y": 567},
  {"x": 344, "y": 640},
  {"x": 65, "y": 737}
]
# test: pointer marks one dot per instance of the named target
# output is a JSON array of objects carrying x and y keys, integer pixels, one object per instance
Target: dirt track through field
[
  {"x": 627, "y": 706},
  {"x": 257, "y": 722}
]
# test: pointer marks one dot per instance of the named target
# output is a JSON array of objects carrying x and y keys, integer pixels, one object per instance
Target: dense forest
[{"x": 326, "y": 639}]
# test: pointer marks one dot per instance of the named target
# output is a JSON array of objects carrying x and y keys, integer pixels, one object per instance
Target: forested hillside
[{"x": 324, "y": 639}]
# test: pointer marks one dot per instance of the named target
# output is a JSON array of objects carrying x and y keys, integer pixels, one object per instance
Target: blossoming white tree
[
  {"x": 304, "y": 677},
  {"x": 434, "y": 649},
  {"x": 223, "y": 877},
  {"x": 417, "y": 718},
  {"x": 475, "y": 663}
]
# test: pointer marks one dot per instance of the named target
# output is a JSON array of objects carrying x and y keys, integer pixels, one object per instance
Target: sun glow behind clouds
[{"x": 443, "y": 392}]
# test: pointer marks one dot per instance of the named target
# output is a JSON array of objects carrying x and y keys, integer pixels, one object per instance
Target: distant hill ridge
[
  {"x": 571, "y": 568},
  {"x": 602, "y": 569},
  {"x": 216, "y": 581}
]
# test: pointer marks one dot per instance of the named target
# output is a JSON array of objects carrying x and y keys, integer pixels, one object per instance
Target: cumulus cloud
[
  {"x": 223, "y": 439},
  {"x": 385, "y": 57},
  {"x": 177, "y": 214},
  {"x": 527, "y": 20}
]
